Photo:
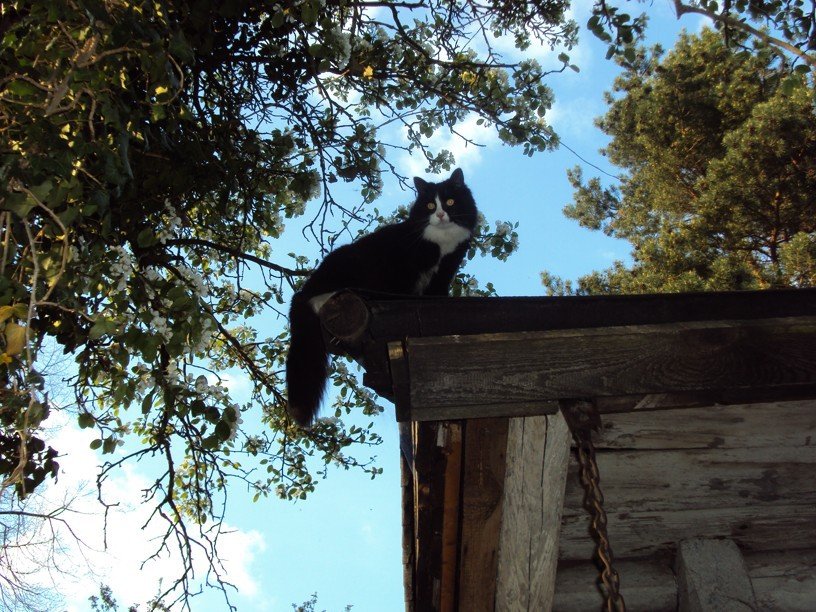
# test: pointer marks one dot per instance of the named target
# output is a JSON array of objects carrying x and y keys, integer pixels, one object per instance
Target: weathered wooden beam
[
  {"x": 658, "y": 480},
  {"x": 712, "y": 575},
  {"x": 649, "y": 585},
  {"x": 537, "y": 459},
  {"x": 780, "y": 424},
  {"x": 530, "y": 369},
  {"x": 783, "y": 580},
  {"x": 430, "y": 458},
  {"x": 481, "y": 507},
  {"x": 345, "y": 317},
  {"x": 452, "y": 449},
  {"x": 636, "y": 534},
  {"x": 396, "y": 317},
  {"x": 408, "y": 537},
  {"x": 400, "y": 381}
]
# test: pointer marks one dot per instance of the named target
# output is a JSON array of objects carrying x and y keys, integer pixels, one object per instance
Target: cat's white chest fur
[{"x": 447, "y": 235}]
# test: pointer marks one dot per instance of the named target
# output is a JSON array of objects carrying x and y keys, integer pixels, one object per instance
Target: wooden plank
[
  {"x": 482, "y": 491},
  {"x": 394, "y": 319},
  {"x": 681, "y": 357},
  {"x": 430, "y": 456},
  {"x": 695, "y": 399},
  {"x": 400, "y": 380},
  {"x": 481, "y": 411},
  {"x": 648, "y": 585},
  {"x": 636, "y": 534},
  {"x": 712, "y": 575},
  {"x": 537, "y": 458},
  {"x": 783, "y": 580},
  {"x": 783, "y": 424},
  {"x": 452, "y": 449},
  {"x": 408, "y": 556},
  {"x": 654, "y": 481}
]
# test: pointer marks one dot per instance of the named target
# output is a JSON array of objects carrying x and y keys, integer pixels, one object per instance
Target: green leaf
[
  {"x": 147, "y": 402},
  {"x": 21, "y": 89},
  {"x": 147, "y": 237},
  {"x": 95, "y": 444},
  {"x": 86, "y": 420},
  {"x": 18, "y": 203},
  {"x": 102, "y": 327}
]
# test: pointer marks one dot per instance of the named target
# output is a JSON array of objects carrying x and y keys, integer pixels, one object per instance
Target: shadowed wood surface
[
  {"x": 535, "y": 366},
  {"x": 638, "y": 534},
  {"x": 781, "y": 580},
  {"x": 649, "y": 586},
  {"x": 481, "y": 508},
  {"x": 364, "y": 322},
  {"x": 712, "y": 575}
]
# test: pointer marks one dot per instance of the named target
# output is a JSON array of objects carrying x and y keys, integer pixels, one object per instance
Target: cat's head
[{"x": 440, "y": 204}]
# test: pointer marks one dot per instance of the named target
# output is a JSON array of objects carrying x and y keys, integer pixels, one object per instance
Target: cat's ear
[
  {"x": 458, "y": 178},
  {"x": 420, "y": 184}
]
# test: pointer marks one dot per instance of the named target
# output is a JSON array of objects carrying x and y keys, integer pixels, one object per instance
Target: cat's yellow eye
[
  {"x": 449, "y": 202},
  {"x": 431, "y": 205}
]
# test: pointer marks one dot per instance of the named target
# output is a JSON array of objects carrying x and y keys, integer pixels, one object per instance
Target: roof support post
[{"x": 537, "y": 459}]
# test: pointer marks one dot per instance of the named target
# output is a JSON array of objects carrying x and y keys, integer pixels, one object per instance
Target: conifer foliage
[{"x": 718, "y": 152}]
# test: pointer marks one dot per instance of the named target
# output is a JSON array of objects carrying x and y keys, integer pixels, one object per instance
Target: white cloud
[
  {"x": 239, "y": 385},
  {"x": 575, "y": 117},
  {"x": 465, "y": 143},
  {"x": 130, "y": 540}
]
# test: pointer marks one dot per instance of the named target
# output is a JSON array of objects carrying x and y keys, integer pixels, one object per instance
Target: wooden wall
[{"x": 743, "y": 472}]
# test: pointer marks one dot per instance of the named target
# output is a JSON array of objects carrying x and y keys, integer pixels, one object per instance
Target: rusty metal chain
[{"x": 582, "y": 418}]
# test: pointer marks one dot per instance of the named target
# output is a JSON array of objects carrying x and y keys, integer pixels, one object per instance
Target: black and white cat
[{"x": 418, "y": 256}]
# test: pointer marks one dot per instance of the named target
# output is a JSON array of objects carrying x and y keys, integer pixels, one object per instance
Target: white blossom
[{"x": 503, "y": 228}]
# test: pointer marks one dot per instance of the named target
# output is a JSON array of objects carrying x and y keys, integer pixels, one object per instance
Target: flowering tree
[{"x": 152, "y": 155}]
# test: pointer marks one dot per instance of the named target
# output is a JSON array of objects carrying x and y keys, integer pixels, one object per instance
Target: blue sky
[{"x": 344, "y": 542}]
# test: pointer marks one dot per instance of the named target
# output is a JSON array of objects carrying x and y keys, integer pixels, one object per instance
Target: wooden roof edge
[
  {"x": 354, "y": 318},
  {"x": 366, "y": 325}
]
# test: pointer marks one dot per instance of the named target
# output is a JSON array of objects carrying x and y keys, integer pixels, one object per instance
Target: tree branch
[
  {"x": 727, "y": 20},
  {"x": 236, "y": 253}
]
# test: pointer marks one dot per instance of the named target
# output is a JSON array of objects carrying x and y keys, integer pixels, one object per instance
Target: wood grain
[
  {"x": 647, "y": 584},
  {"x": 781, "y": 580},
  {"x": 712, "y": 575},
  {"x": 788, "y": 424},
  {"x": 485, "y": 447},
  {"x": 655, "y": 481},
  {"x": 397, "y": 318},
  {"x": 636, "y": 534},
  {"x": 537, "y": 458},
  {"x": 679, "y": 357},
  {"x": 429, "y": 486},
  {"x": 408, "y": 556},
  {"x": 452, "y": 450},
  {"x": 784, "y": 580}
]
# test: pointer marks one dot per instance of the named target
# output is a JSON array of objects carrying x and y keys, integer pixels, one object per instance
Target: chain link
[{"x": 582, "y": 418}]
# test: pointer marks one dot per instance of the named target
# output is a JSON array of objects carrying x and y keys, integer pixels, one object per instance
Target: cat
[{"x": 417, "y": 256}]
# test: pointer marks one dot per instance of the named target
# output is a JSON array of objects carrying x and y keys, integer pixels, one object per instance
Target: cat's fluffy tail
[{"x": 307, "y": 365}]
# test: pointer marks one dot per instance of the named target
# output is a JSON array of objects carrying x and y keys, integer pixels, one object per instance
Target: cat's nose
[{"x": 441, "y": 214}]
